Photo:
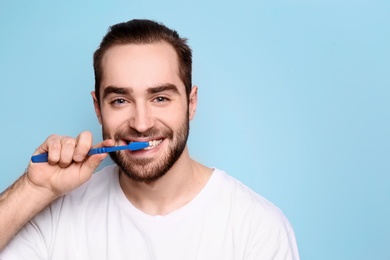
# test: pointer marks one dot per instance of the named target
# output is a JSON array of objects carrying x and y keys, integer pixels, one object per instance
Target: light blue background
[{"x": 294, "y": 101}]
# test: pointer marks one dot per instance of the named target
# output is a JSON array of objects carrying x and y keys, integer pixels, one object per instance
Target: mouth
[{"x": 152, "y": 143}]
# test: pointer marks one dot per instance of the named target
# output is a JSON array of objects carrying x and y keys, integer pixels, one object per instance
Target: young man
[{"x": 155, "y": 203}]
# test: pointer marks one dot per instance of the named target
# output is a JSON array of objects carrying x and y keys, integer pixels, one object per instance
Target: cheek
[
  {"x": 172, "y": 117},
  {"x": 112, "y": 121},
  {"x": 178, "y": 120}
]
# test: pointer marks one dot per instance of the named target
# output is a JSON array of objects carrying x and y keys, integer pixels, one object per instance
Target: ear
[
  {"x": 193, "y": 102},
  {"x": 97, "y": 107}
]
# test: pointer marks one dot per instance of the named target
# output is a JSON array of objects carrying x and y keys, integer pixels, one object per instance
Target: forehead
[{"x": 140, "y": 66}]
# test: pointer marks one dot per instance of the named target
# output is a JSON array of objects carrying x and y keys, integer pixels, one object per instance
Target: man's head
[
  {"x": 144, "y": 32},
  {"x": 143, "y": 93}
]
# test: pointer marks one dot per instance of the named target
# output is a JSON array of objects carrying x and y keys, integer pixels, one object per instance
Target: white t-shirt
[{"x": 226, "y": 220}]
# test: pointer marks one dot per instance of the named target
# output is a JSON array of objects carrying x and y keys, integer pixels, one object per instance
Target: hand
[{"x": 68, "y": 166}]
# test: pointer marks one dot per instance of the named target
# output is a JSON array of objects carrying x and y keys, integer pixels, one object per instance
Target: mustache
[{"x": 134, "y": 134}]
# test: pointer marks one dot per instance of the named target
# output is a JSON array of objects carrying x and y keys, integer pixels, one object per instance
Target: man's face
[{"x": 143, "y": 99}]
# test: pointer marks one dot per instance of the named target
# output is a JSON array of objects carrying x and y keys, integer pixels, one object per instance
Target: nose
[{"x": 141, "y": 119}]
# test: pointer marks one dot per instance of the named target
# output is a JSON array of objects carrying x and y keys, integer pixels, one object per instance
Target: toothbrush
[{"x": 134, "y": 146}]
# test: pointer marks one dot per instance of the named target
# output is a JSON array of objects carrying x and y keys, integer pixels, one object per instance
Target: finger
[
  {"x": 68, "y": 145},
  {"x": 106, "y": 143},
  {"x": 44, "y": 147},
  {"x": 84, "y": 144},
  {"x": 52, "y": 144}
]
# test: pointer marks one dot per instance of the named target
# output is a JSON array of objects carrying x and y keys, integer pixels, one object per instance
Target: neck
[{"x": 175, "y": 189}]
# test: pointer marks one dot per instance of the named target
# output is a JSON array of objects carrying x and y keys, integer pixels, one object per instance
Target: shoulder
[
  {"x": 248, "y": 206},
  {"x": 262, "y": 225},
  {"x": 239, "y": 192}
]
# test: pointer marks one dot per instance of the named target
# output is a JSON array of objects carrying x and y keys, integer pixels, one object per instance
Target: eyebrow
[
  {"x": 116, "y": 90},
  {"x": 162, "y": 88},
  {"x": 152, "y": 90}
]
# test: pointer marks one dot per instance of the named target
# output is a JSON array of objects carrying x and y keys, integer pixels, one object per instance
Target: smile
[{"x": 153, "y": 144}]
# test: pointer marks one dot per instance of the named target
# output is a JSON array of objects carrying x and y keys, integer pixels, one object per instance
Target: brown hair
[{"x": 144, "y": 32}]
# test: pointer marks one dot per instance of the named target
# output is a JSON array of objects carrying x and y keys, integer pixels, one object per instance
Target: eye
[
  {"x": 118, "y": 102},
  {"x": 161, "y": 99}
]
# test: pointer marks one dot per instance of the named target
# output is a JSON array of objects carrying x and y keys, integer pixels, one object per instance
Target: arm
[
  {"x": 18, "y": 204},
  {"x": 68, "y": 168}
]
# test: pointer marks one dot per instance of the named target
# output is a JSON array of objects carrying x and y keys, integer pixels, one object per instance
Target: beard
[{"x": 148, "y": 170}]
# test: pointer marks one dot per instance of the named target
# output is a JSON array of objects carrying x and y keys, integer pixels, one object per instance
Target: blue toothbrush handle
[
  {"x": 43, "y": 157},
  {"x": 97, "y": 150},
  {"x": 134, "y": 146}
]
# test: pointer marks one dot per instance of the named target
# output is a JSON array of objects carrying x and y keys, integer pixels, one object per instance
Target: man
[{"x": 155, "y": 203}]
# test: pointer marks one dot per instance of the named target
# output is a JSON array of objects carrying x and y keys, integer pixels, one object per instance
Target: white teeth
[{"x": 153, "y": 143}]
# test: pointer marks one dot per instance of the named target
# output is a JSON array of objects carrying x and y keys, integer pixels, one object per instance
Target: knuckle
[
  {"x": 52, "y": 138},
  {"x": 86, "y": 134},
  {"x": 85, "y": 137},
  {"x": 68, "y": 141}
]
